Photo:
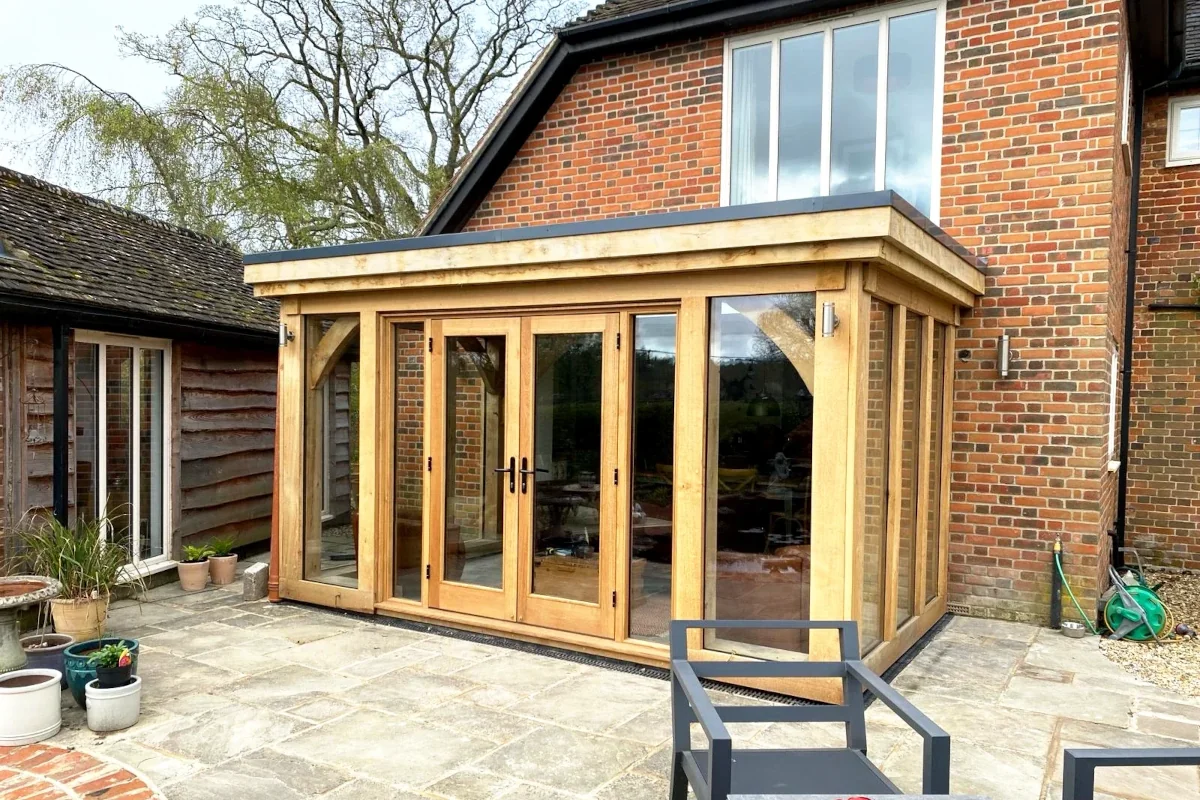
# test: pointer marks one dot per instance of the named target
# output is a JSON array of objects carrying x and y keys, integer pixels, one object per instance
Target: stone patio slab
[
  {"x": 228, "y": 732},
  {"x": 624, "y": 697},
  {"x": 387, "y": 749},
  {"x": 569, "y": 760}
]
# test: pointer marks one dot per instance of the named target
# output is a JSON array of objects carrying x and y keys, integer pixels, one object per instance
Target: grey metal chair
[
  {"x": 1079, "y": 765},
  {"x": 717, "y": 771}
]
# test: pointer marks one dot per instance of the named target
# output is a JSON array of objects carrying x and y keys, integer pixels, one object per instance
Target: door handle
[
  {"x": 511, "y": 469},
  {"x": 526, "y": 472}
]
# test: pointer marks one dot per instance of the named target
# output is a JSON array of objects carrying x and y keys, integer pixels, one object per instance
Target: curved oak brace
[
  {"x": 326, "y": 353},
  {"x": 786, "y": 333}
]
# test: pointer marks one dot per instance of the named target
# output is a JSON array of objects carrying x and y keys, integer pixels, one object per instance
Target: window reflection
[
  {"x": 875, "y": 477},
  {"x": 909, "y": 462},
  {"x": 652, "y": 510},
  {"x": 855, "y": 84},
  {"x": 750, "y": 125},
  {"x": 331, "y": 451},
  {"x": 409, "y": 470},
  {"x": 759, "y": 466},
  {"x": 909, "y": 153}
]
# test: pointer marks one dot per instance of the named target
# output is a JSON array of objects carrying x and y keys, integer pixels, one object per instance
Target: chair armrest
[
  {"x": 1079, "y": 765},
  {"x": 702, "y": 706},
  {"x": 936, "y": 773}
]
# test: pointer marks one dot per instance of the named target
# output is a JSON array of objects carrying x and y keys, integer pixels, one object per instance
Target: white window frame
[
  {"x": 136, "y": 344},
  {"x": 775, "y": 35},
  {"x": 1176, "y": 159},
  {"x": 1126, "y": 98}
]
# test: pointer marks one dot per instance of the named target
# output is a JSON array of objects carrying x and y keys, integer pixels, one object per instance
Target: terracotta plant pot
[
  {"x": 80, "y": 619},
  {"x": 222, "y": 568},
  {"x": 193, "y": 575}
]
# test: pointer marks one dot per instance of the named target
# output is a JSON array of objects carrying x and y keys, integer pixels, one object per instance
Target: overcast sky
[{"x": 82, "y": 34}]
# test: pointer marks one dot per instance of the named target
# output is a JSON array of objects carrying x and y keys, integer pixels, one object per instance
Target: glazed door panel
[
  {"x": 476, "y": 374},
  {"x": 567, "y": 473}
]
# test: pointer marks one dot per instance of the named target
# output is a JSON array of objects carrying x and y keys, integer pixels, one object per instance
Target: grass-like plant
[
  {"x": 82, "y": 558},
  {"x": 195, "y": 553},
  {"x": 221, "y": 546}
]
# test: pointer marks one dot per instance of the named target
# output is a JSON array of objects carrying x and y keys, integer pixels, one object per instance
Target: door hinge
[
  {"x": 614, "y": 599},
  {"x": 618, "y": 341},
  {"x": 431, "y": 344},
  {"x": 427, "y": 571},
  {"x": 616, "y": 477},
  {"x": 429, "y": 464}
]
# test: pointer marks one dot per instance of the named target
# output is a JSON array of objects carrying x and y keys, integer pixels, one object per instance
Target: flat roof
[{"x": 667, "y": 219}]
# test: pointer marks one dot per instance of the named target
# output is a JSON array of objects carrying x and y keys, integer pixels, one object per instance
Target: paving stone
[
  {"x": 254, "y": 582},
  {"x": 405, "y": 691},
  {"x": 390, "y": 662},
  {"x": 166, "y": 675},
  {"x": 471, "y": 785},
  {"x": 1172, "y": 728},
  {"x": 321, "y": 710},
  {"x": 244, "y": 660},
  {"x": 305, "y": 628},
  {"x": 247, "y": 620},
  {"x": 288, "y": 687},
  {"x": 1133, "y": 783},
  {"x": 370, "y": 790},
  {"x": 570, "y": 760},
  {"x": 304, "y": 777},
  {"x": 345, "y": 648},
  {"x": 1074, "y": 701},
  {"x": 497, "y": 727},
  {"x": 652, "y": 726},
  {"x": 975, "y": 769},
  {"x": 159, "y": 767},
  {"x": 624, "y": 697},
  {"x": 224, "y": 733},
  {"x": 992, "y": 628},
  {"x": 211, "y": 636},
  {"x": 138, "y": 614},
  {"x": 635, "y": 787},
  {"x": 1166, "y": 708},
  {"x": 530, "y": 791},
  {"x": 521, "y": 674},
  {"x": 368, "y": 745}
]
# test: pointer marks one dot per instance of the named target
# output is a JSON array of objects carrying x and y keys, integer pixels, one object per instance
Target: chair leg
[{"x": 679, "y": 782}]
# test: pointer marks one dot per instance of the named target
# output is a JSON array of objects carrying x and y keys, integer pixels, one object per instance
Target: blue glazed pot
[
  {"x": 80, "y": 673},
  {"x": 49, "y": 657}
]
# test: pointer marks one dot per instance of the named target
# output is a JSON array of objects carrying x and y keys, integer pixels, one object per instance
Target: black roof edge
[
  {"x": 572, "y": 47},
  {"x": 665, "y": 219},
  {"x": 41, "y": 310}
]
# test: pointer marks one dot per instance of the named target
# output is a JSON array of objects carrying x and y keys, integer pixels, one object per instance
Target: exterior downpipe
[{"x": 1135, "y": 181}]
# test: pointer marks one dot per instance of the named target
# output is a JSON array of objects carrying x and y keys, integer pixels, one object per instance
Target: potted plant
[
  {"x": 80, "y": 671},
  {"x": 222, "y": 561},
  {"x": 193, "y": 568},
  {"x": 114, "y": 665},
  {"x": 86, "y": 561},
  {"x": 30, "y": 706},
  {"x": 115, "y": 708}
]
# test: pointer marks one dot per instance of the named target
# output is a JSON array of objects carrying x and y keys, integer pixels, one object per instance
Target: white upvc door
[{"x": 129, "y": 408}]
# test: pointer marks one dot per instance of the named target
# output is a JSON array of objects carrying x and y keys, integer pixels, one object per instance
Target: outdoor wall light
[
  {"x": 829, "y": 320},
  {"x": 1004, "y": 355},
  {"x": 285, "y": 335}
]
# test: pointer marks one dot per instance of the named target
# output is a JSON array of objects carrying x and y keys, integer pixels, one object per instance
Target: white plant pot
[
  {"x": 113, "y": 709},
  {"x": 30, "y": 706}
]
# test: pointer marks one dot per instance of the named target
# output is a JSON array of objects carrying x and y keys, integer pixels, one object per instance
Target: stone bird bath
[{"x": 18, "y": 592}]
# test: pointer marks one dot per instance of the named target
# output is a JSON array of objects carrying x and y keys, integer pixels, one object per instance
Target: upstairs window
[
  {"x": 1183, "y": 131},
  {"x": 805, "y": 115}
]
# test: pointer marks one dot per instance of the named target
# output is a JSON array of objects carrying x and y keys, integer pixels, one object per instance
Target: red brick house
[
  {"x": 1038, "y": 104},
  {"x": 653, "y": 133}
]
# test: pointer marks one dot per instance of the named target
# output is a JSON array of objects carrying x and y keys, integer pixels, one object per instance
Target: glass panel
[
  {"x": 855, "y": 79},
  {"x": 331, "y": 451},
  {"x": 150, "y": 452},
  {"x": 759, "y": 467},
  {"x": 568, "y": 381},
  {"x": 87, "y": 430},
  {"x": 651, "y": 516},
  {"x": 910, "y": 447},
  {"x": 909, "y": 153},
  {"x": 1187, "y": 132},
  {"x": 475, "y": 492},
  {"x": 933, "y": 529},
  {"x": 750, "y": 123},
  {"x": 879, "y": 393},
  {"x": 801, "y": 66},
  {"x": 408, "y": 495},
  {"x": 118, "y": 440}
]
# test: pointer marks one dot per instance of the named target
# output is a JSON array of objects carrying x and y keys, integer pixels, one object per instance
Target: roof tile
[{"x": 61, "y": 245}]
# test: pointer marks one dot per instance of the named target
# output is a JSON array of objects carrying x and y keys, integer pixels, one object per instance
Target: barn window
[{"x": 852, "y": 105}]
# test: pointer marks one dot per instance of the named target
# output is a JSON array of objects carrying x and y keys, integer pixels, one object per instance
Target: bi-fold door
[{"x": 523, "y": 469}]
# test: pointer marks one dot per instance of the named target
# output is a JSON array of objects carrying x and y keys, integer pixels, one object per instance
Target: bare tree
[{"x": 292, "y": 123}]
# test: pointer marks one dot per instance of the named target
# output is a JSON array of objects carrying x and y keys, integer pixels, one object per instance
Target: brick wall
[
  {"x": 1163, "y": 519},
  {"x": 1030, "y": 179}
]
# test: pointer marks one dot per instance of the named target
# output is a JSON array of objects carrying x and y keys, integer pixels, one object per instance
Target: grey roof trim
[{"x": 640, "y": 222}]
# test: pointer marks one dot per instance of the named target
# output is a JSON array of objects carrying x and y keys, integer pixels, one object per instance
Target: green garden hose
[{"x": 1086, "y": 621}]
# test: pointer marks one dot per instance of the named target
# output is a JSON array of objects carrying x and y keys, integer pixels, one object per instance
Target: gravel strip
[{"x": 1174, "y": 666}]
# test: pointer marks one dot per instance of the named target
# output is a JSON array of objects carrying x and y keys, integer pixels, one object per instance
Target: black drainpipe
[
  {"x": 1135, "y": 179},
  {"x": 62, "y": 409}
]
